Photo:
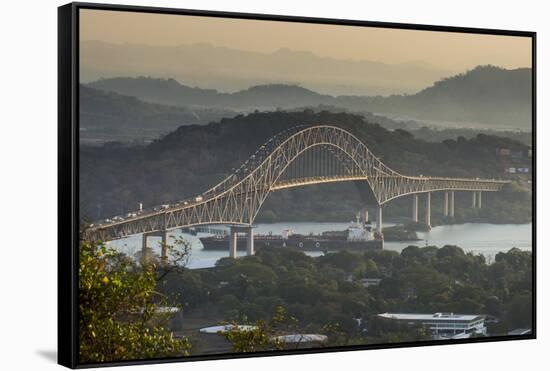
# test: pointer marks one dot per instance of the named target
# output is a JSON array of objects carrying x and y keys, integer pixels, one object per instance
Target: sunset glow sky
[{"x": 454, "y": 51}]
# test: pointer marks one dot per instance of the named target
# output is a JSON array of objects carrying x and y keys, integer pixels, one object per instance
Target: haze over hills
[
  {"x": 106, "y": 116},
  {"x": 486, "y": 96},
  {"x": 114, "y": 116},
  {"x": 171, "y": 92},
  {"x": 229, "y": 69}
]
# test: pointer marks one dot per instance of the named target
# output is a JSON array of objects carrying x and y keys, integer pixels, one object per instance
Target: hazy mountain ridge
[
  {"x": 486, "y": 94},
  {"x": 117, "y": 116},
  {"x": 489, "y": 95},
  {"x": 100, "y": 108},
  {"x": 229, "y": 69},
  {"x": 169, "y": 91}
]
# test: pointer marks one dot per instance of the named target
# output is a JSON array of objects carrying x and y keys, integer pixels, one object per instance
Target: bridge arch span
[{"x": 238, "y": 198}]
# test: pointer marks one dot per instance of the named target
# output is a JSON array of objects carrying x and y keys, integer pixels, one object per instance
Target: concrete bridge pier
[
  {"x": 428, "y": 213},
  {"x": 452, "y": 204},
  {"x": 379, "y": 225},
  {"x": 415, "y": 209},
  {"x": 365, "y": 215},
  {"x": 232, "y": 242},
  {"x": 446, "y": 204},
  {"x": 145, "y": 249},
  {"x": 474, "y": 200},
  {"x": 250, "y": 241},
  {"x": 479, "y": 200},
  {"x": 164, "y": 247}
]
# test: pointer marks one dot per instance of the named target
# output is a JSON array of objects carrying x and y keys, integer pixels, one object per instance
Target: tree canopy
[{"x": 122, "y": 316}]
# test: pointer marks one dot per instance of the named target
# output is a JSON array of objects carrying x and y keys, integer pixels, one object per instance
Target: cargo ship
[{"x": 358, "y": 236}]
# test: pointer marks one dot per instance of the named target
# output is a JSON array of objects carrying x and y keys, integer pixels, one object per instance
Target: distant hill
[
  {"x": 169, "y": 91},
  {"x": 228, "y": 69},
  {"x": 486, "y": 96},
  {"x": 115, "y": 116},
  {"x": 107, "y": 116},
  {"x": 112, "y": 110}
]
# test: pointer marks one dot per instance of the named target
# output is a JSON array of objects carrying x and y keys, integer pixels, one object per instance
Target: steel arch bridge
[{"x": 296, "y": 157}]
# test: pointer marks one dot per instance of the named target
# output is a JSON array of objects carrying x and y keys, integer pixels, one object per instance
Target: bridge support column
[
  {"x": 452, "y": 205},
  {"x": 474, "y": 201},
  {"x": 232, "y": 242},
  {"x": 144, "y": 248},
  {"x": 250, "y": 241},
  {"x": 446, "y": 204},
  {"x": 164, "y": 247},
  {"x": 415, "y": 209},
  {"x": 147, "y": 251},
  {"x": 428, "y": 214},
  {"x": 479, "y": 200},
  {"x": 379, "y": 225},
  {"x": 366, "y": 215}
]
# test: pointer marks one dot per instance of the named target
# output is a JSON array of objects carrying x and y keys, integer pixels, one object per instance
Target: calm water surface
[{"x": 479, "y": 238}]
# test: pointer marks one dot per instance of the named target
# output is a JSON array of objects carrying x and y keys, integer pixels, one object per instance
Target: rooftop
[
  {"x": 431, "y": 317},
  {"x": 226, "y": 328}
]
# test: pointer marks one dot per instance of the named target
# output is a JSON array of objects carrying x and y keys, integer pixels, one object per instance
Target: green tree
[
  {"x": 121, "y": 314},
  {"x": 263, "y": 335}
]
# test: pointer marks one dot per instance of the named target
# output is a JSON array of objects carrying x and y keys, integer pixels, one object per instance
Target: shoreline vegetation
[{"x": 161, "y": 305}]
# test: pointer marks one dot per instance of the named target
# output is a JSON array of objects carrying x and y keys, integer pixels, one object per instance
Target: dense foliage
[
  {"x": 121, "y": 314},
  {"x": 434, "y": 134},
  {"x": 328, "y": 291},
  {"x": 263, "y": 335}
]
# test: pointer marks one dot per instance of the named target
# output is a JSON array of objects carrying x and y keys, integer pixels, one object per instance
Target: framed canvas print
[{"x": 236, "y": 185}]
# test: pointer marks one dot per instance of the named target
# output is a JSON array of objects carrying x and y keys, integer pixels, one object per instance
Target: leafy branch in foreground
[
  {"x": 279, "y": 333},
  {"x": 121, "y": 314},
  {"x": 262, "y": 336}
]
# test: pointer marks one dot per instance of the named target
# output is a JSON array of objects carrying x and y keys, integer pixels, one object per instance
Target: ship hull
[{"x": 304, "y": 244}]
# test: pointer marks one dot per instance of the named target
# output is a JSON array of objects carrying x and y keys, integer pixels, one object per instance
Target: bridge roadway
[{"x": 297, "y": 157}]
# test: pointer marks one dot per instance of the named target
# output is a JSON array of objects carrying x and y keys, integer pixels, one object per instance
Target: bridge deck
[{"x": 237, "y": 199}]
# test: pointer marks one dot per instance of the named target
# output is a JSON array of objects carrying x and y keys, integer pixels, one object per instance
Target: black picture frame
[{"x": 68, "y": 170}]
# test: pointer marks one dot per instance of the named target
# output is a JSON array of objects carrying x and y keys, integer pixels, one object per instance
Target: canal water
[{"x": 479, "y": 238}]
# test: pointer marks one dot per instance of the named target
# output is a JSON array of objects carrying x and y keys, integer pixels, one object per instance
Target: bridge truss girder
[{"x": 238, "y": 199}]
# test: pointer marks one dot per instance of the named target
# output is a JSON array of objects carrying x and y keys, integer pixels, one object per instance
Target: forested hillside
[
  {"x": 115, "y": 178},
  {"x": 487, "y": 94},
  {"x": 113, "y": 116}
]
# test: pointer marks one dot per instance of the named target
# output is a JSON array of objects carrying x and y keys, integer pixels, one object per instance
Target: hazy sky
[{"x": 452, "y": 51}]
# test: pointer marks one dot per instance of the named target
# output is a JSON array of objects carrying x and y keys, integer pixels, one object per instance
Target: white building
[
  {"x": 222, "y": 329},
  {"x": 443, "y": 325}
]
